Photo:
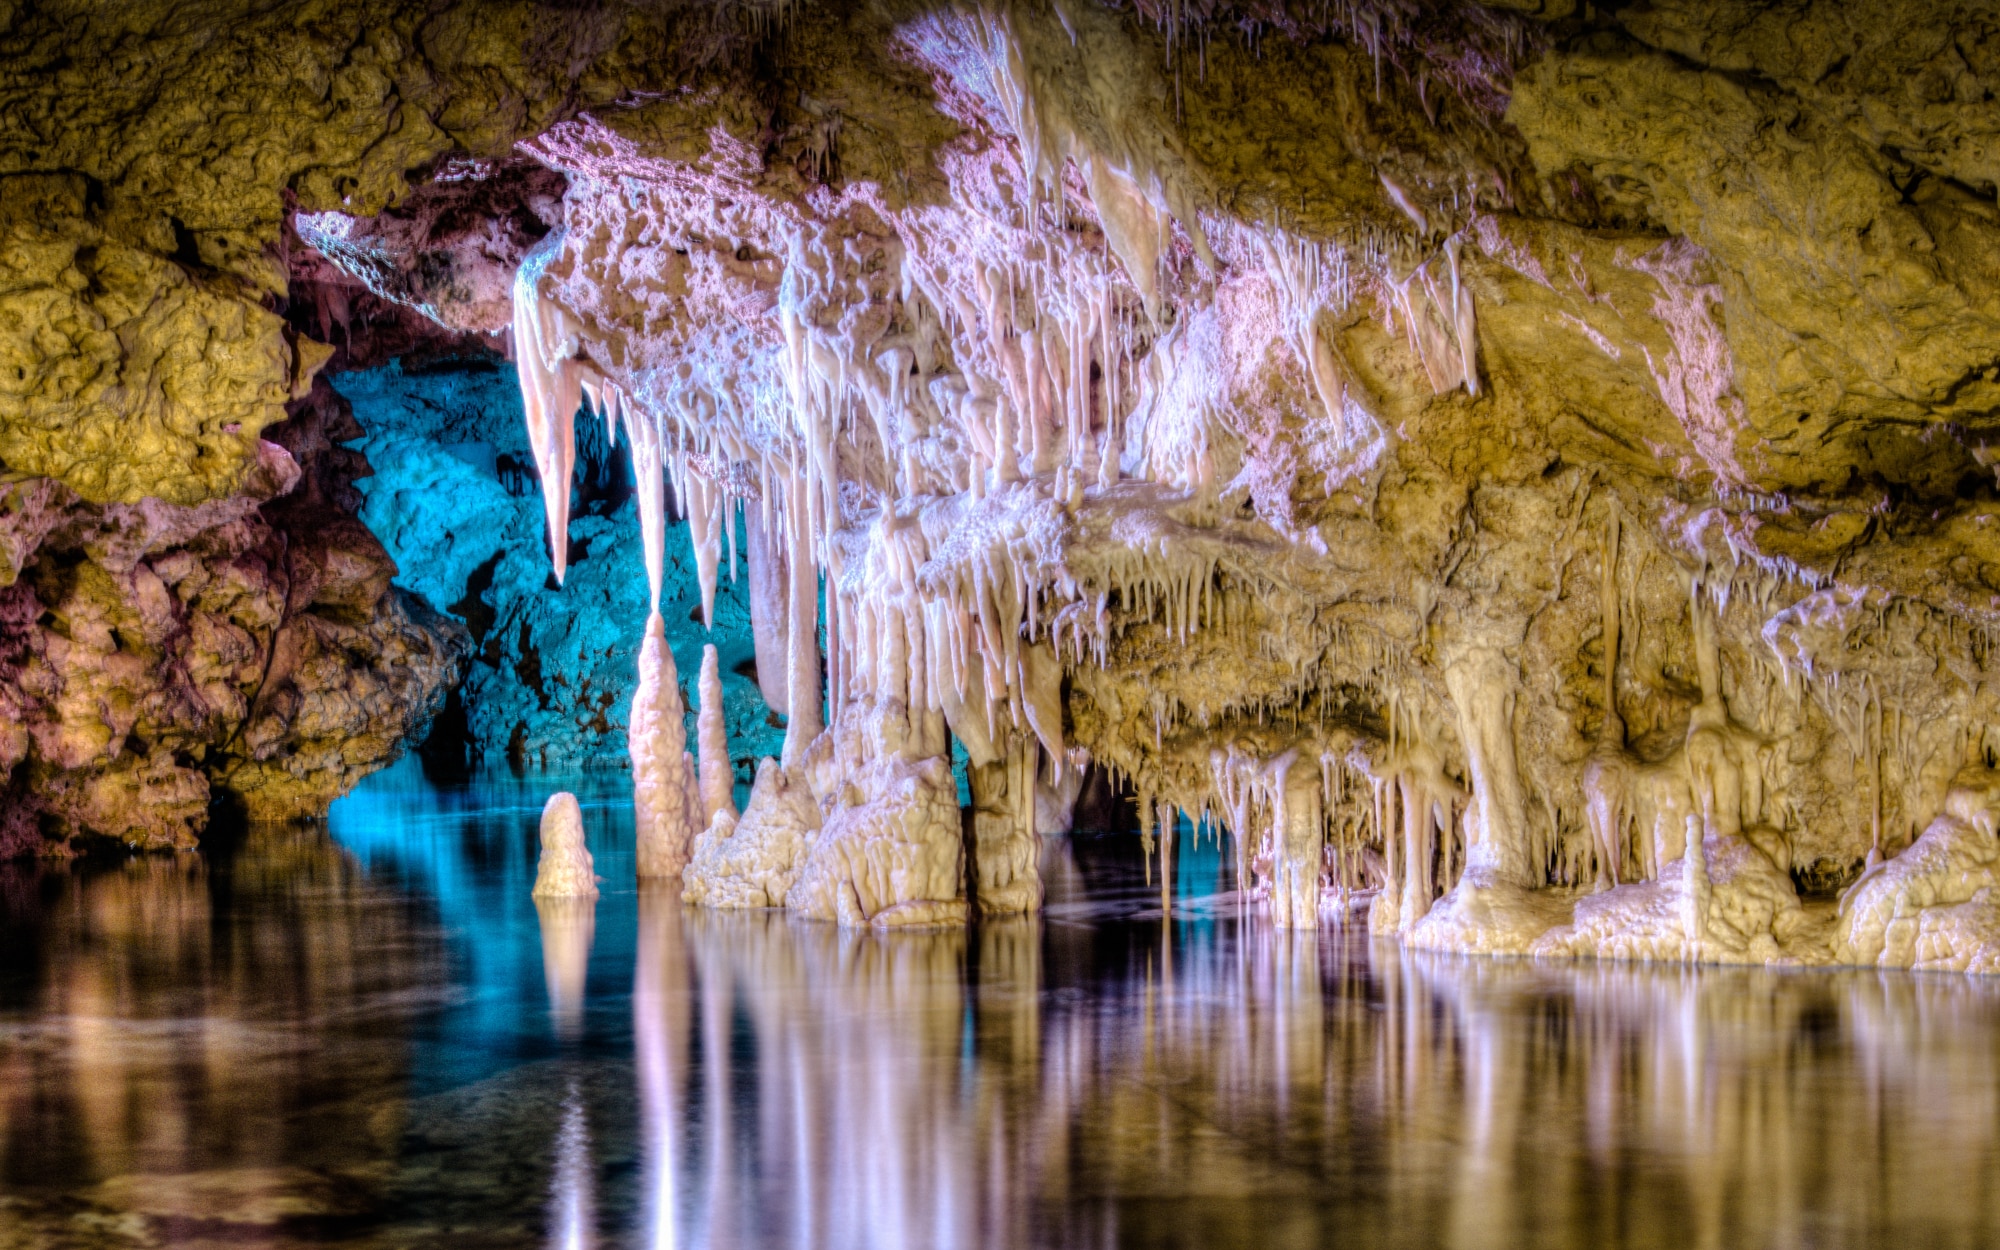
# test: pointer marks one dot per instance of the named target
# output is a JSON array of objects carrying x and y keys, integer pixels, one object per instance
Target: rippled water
[{"x": 374, "y": 1038}]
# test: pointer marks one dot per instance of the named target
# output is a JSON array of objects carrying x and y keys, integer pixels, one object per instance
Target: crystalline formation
[
  {"x": 1392, "y": 440},
  {"x": 1055, "y": 438}
]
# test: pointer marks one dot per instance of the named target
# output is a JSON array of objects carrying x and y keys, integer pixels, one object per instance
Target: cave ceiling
[{"x": 1491, "y": 453}]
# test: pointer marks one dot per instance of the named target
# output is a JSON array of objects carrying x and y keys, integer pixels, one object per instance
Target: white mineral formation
[
  {"x": 1006, "y": 814},
  {"x": 1297, "y": 833},
  {"x": 770, "y": 590},
  {"x": 752, "y": 860},
  {"x": 718, "y": 775},
  {"x": 665, "y": 801},
  {"x": 1433, "y": 548},
  {"x": 1933, "y": 906},
  {"x": 565, "y": 869}
]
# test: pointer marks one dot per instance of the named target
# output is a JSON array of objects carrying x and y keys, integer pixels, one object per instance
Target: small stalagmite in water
[{"x": 566, "y": 870}]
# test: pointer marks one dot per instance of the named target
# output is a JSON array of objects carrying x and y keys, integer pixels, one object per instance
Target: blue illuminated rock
[{"x": 455, "y": 500}]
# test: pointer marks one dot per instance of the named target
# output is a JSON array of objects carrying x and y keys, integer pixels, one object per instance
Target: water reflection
[
  {"x": 572, "y": 1196},
  {"x": 1287, "y": 1089},
  {"x": 569, "y": 926},
  {"x": 178, "y": 1034},
  {"x": 660, "y": 1043},
  {"x": 280, "y": 1047}
]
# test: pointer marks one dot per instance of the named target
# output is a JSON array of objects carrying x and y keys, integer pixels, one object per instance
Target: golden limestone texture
[
  {"x": 1521, "y": 470},
  {"x": 183, "y": 618}
]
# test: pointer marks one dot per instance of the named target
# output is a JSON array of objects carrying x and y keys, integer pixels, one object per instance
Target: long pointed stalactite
[{"x": 1028, "y": 456}]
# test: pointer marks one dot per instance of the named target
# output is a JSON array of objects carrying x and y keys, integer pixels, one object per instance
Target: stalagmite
[
  {"x": 754, "y": 861},
  {"x": 666, "y": 805},
  {"x": 718, "y": 775},
  {"x": 1482, "y": 685},
  {"x": 1224, "y": 503},
  {"x": 1005, "y": 846},
  {"x": 565, "y": 869},
  {"x": 1297, "y": 839},
  {"x": 1695, "y": 888},
  {"x": 1427, "y": 800}
]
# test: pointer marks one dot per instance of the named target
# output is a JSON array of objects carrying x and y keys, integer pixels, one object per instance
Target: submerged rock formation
[{"x": 1526, "y": 463}]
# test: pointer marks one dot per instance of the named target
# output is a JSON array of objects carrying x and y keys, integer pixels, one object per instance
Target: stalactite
[
  {"x": 704, "y": 513},
  {"x": 551, "y": 391},
  {"x": 770, "y": 610},
  {"x": 1482, "y": 689},
  {"x": 803, "y": 692},
  {"x": 643, "y": 435},
  {"x": 1607, "y": 775},
  {"x": 1070, "y": 460}
]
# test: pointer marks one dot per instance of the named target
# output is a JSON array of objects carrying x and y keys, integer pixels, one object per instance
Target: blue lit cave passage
[{"x": 455, "y": 499}]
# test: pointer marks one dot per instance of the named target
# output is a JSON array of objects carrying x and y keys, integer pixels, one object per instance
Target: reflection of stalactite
[
  {"x": 855, "y": 1038},
  {"x": 867, "y": 1089}
]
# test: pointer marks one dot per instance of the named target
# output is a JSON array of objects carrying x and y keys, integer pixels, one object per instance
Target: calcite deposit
[
  {"x": 565, "y": 869},
  {"x": 552, "y": 672},
  {"x": 1521, "y": 471}
]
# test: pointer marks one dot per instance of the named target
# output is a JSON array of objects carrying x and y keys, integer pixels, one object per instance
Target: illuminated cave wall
[
  {"x": 1525, "y": 468},
  {"x": 552, "y": 668}
]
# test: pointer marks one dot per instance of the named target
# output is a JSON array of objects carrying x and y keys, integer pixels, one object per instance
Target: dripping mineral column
[
  {"x": 663, "y": 797},
  {"x": 770, "y": 611},
  {"x": 1297, "y": 842},
  {"x": 1004, "y": 845},
  {"x": 1481, "y": 683},
  {"x": 802, "y": 695},
  {"x": 718, "y": 777},
  {"x": 551, "y": 391}
]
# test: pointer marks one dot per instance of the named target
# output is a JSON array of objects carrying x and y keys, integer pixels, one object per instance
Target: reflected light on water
[
  {"x": 918, "y": 1090},
  {"x": 569, "y": 926},
  {"x": 659, "y": 1037},
  {"x": 278, "y": 1048},
  {"x": 572, "y": 1206}
]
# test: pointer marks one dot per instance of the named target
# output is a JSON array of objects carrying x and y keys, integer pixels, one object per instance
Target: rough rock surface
[
  {"x": 753, "y": 860},
  {"x": 553, "y": 669},
  {"x": 1567, "y": 435},
  {"x": 145, "y": 156},
  {"x": 1562, "y": 429},
  {"x": 159, "y": 657},
  {"x": 149, "y": 158}
]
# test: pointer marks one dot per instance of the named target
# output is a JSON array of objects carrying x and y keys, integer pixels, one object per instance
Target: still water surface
[{"x": 369, "y": 1036}]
